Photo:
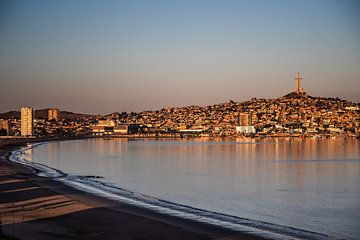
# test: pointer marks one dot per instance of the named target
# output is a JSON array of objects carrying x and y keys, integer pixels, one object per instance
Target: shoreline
[
  {"x": 175, "y": 136},
  {"x": 34, "y": 207}
]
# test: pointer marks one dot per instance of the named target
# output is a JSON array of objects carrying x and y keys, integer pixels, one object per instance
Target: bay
[{"x": 310, "y": 184}]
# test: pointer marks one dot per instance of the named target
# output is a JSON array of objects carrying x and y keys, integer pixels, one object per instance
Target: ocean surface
[{"x": 303, "y": 184}]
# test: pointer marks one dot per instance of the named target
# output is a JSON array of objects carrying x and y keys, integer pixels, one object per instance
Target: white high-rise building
[{"x": 27, "y": 121}]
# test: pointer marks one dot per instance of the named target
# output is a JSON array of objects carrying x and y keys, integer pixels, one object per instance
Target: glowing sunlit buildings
[
  {"x": 245, "y": 123},
  {"x": 27, "y": 121},
  {"x": 53, "y": 114}
]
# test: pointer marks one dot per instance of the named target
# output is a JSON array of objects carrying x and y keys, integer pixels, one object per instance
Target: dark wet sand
[{"x": 33, "y": 207}]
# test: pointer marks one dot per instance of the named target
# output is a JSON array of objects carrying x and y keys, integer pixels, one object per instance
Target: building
[
  {"x": 106, "y": 123},
  {"x": 27, "y": 121},
  {"x": 127, "y": 129},
  {"x": 245, "y": 124},
  {"x": 104, "y": 127},
  {"x": 245, "y": 129},
  {"x": 245, "y": 119},
  {"x": 121, "y": 129},
  {"x": 53, "y": 114},
  {"x": 100, "y": 130},
  {"x": 4, "y": 127}
]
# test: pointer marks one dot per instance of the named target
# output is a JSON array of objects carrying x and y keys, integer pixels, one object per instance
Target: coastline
[{"x": 34, "y": 207}]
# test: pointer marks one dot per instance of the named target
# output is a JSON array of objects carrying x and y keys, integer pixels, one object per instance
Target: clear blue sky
[{"x": 105, "y": 56}]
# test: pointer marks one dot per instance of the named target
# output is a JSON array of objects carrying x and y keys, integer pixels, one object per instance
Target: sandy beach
[{"x": 33, "y": 207}]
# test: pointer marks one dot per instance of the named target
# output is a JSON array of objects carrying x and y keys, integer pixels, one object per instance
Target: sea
[{"x": 282, "y": 188}]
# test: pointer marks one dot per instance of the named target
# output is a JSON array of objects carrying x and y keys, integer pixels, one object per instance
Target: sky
[{"x": 92, "y": 56}]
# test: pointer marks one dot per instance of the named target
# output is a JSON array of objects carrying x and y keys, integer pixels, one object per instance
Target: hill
[
  {"x": 297, "y": 95},
  {"x": 42, "y": 114}
]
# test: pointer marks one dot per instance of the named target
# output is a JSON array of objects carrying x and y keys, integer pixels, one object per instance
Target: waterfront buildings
[
  {"x": 110, "y": 127},
  {"x": 27, "y": 121},
  {"x": 104, "y": 127},
  {"x": 53, "y": 114},
  {"x": 294, "y": 115},
  {"x": 127, "y": 129},
  {"x": 286, "y": 116}
]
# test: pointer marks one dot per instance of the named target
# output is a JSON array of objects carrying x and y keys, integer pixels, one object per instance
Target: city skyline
[{"x": 135, "y": 56}]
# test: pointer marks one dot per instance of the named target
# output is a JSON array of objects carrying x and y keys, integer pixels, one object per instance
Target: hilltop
[{"x": 297, "y": 95}]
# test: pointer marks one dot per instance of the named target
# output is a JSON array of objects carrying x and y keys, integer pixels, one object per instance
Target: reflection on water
[{"x": 311, "y": 184}]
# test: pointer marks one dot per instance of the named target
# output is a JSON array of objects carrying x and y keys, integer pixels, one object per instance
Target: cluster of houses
[
  {"x": 295, "y": 116},
  {"x": 286, "y": 116}
]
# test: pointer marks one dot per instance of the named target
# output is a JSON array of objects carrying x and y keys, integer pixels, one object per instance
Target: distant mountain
[
  {"x": 71, "y": 115},
  {"x": 42, "y": 114},
  {"x": 10, "y": 114}
]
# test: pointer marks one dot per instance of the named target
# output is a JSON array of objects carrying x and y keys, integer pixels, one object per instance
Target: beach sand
[{"x": 33, "y": 207}]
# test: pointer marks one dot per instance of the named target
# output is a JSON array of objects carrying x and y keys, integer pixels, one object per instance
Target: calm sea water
[{"x": 308, "y": 184}]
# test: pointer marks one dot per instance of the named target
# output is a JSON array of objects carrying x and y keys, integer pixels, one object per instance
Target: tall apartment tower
[
  {"x": 27, "y": 121},
  {"x": 53, "y": 113},
  {"x": 298, "y": 79}
]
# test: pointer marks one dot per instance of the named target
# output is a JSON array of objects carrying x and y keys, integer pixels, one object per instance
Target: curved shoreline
[
  {"x": 201, "y": 219},
  {"x": 88, "y": 215}
]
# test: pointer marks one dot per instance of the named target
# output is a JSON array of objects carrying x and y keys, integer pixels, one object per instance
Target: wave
[{"x": 98, "y": 186}]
